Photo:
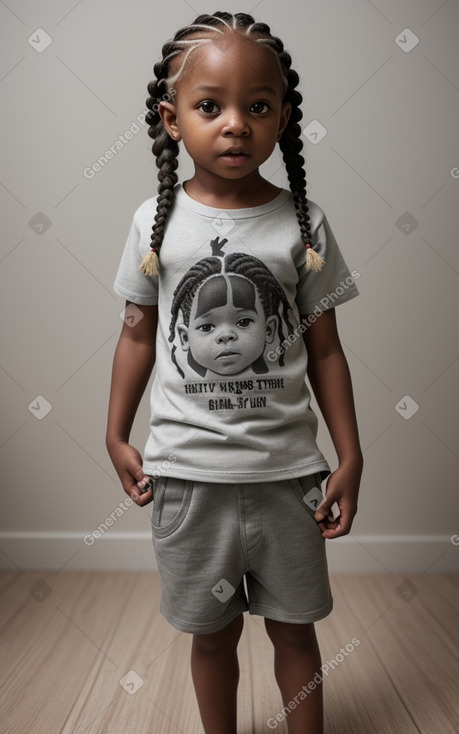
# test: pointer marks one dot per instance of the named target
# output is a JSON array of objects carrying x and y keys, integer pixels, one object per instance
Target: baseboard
[{"x": 416, "y": 554}]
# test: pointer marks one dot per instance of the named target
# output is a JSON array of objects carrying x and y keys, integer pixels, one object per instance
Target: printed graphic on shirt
[
  {"x": 226, "y": 310},
  {"x": 236, "y": 394}
]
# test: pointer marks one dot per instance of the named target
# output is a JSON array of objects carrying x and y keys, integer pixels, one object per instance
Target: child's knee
[
  {"x": 225, "y": 640},
  {"x": 284, "y": 634}
]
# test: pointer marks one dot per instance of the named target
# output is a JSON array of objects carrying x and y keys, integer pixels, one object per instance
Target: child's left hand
[{"x": 342, "y": 488}]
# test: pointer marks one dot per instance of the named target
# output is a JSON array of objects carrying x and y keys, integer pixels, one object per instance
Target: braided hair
[
  {"x": 166, "y": 150},
  {"x": 272, "y": 297}
]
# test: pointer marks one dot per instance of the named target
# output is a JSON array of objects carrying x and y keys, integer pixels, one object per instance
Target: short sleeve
[
  {"x": 334, "y": 284},
  {"x": 130, "y": 282}
]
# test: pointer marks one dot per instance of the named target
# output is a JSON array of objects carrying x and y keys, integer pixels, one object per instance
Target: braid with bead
[
  {"x": 166, "y": 150},
  {"x": 291, "y": 143}
]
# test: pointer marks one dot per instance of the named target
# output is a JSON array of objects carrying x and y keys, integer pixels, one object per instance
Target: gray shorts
[{"x": 223, "y": 549}]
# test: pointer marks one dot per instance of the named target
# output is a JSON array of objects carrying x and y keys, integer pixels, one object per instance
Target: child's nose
[
  {"x": 235, "y": 123},
  {"x": 226, "y": 335}
]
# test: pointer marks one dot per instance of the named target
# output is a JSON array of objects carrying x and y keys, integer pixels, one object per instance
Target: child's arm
[
  {"x": 330, "y": 380},
  {"x": 132, "y": 366}
]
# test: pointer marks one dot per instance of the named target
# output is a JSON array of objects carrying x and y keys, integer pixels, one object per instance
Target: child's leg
[
  {"x": 215, "y": 671},
  {"x": 297, "y": 660}
]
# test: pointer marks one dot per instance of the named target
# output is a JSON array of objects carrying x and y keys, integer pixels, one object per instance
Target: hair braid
[
  {"x": 271, "y": 294},
  {"x": 166, "y": 150},
  {"x": 186, "y": 289},
  {"x": 291, "y": 145}
]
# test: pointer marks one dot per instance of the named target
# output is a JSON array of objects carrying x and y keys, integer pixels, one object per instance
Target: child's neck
[{"x": 222, "y": 193}]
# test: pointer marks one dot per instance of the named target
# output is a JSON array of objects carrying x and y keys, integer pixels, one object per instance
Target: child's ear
[
  {"x": 271, "y": 324},
  {"x": 183, "y": 336},
  {"x": 168, "y": 113}
]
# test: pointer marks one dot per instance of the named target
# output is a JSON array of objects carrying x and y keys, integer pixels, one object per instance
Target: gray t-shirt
[{"x": 229, "y": 401}]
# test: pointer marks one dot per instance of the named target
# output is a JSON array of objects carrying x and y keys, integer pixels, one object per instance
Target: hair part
[{"x": 166, "y": 150}]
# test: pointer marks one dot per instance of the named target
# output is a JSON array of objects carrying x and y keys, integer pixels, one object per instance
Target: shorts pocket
[
  {"x": 171, "y": 503},
  {"x": 308, "y": 492}
]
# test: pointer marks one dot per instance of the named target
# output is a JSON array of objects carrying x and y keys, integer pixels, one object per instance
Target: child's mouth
[
  {"x": 235, "y": 156},
  {"x": 227, "y": 353}
]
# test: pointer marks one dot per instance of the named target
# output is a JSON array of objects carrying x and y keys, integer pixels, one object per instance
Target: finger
[
  {"x": 332, "y": 531},
  {"x": 141, "y": 496},
  {"x": 328, "y": 524},
  {"x": 142, "y": 499},
  {"x": 137, "y": 490},
  {"x": 139, "y": 474},
  {"x": 337, "y": 528},
  {"x": 145, "y": 484},
  {"x": 323, "y": 510},
  {"x": 324, "y": 524}
]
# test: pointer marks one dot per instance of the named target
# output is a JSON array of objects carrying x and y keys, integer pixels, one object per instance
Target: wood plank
[
  {"x": 416, "y": 652},
  {"x": 45, "y": 657},
  {"x": 152, "y": 660},
  {"x": 16, "y": 590},
  {"x": 359, "y": 695},
  {"x": 68, "y": 639},
  {"x": 439, "y": 594}
]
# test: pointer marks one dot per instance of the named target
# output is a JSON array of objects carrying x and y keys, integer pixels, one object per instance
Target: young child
[{"x": 233, "y": 326}]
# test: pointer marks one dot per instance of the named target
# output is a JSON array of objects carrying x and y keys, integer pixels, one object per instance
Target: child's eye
[
  {"x": 208, "y": 107},
  {"x": 259, "y": 107},
  {"x": 206, "y": 328},
  {"x": 245, "y": 322}
]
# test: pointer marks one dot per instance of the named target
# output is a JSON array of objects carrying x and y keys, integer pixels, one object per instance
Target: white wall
[{"x": 390, "y": 153}]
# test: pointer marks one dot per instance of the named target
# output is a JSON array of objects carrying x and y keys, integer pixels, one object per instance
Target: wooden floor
[{"x": 68, "y": 639}]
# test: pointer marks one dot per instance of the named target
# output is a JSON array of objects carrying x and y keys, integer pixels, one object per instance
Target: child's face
[
  {"x": 228, "y": 330},
  {"x": 230, "y": 94}
]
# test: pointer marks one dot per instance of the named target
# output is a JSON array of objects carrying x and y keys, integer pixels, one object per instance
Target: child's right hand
[{"x": 128, "y": 464}]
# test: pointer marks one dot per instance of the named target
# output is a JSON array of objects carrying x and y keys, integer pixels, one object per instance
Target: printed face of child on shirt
[{"x": 228, "y": 329}]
